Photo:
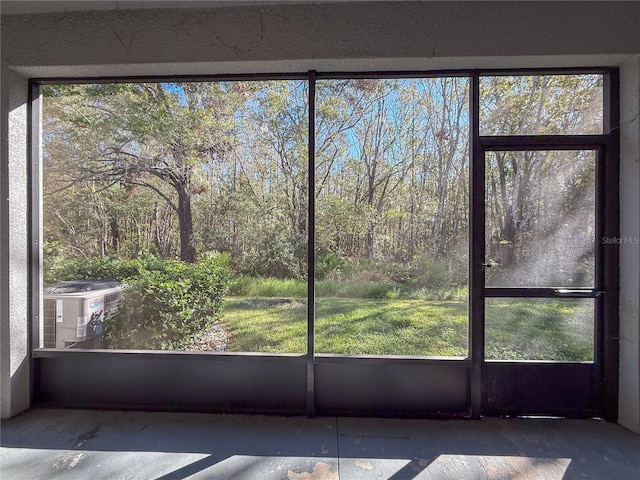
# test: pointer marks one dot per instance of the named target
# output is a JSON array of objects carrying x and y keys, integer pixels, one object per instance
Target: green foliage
[
  {"x": 277, "y": 254},
  {"x": 459, "y": 294},
  {"x": 422, "y": 273},
  {"x": 342, "y": 225},
  {"x": 432, "y": 274},
  {"x": 332, "y": 288},
  {"x": 107, "y": 268},
  {"x": 328, "y": 263},
  {"x": 52, "y": 261},
  {"x": 246, "y": 286},
  {"x": 166, "y": 302},
  {"x": 164, "y": 309}
]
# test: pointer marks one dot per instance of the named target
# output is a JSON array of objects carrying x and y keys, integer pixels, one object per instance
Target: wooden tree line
[{"x": 179, "y": 168}]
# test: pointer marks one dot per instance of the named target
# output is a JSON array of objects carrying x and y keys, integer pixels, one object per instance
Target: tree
[
  {"x": 397, "y": 149},
  {"x": 151, "y": 135},
  {"x": 522, "y": 187}
]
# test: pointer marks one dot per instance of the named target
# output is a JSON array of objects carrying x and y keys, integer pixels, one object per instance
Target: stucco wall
[
  {"x": 14, "y": 367},
  {"x": 360, "y": 36},
  {"x": 629, "y": 403},
  {"x": 432, "y": 34}
]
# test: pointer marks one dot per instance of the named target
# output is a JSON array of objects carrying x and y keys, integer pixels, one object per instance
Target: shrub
[
  {"x": 278, "y": 255},
  {"x": 111, "y": 268},
  {"x": 52, "y": 261},
  {"x": 458, "y": 294},
  {"x": 432, "y": 274},
  {"x": 164, "y": 309},
  {"x": 328, "y": 263}
]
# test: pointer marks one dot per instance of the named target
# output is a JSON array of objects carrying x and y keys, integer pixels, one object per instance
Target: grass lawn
[
  {"x": 352, "y": 326},
  {"x": 539, "y": 329},
  {"x": 523, "y": 329}
]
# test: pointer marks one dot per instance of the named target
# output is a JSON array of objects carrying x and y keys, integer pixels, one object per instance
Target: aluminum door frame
[{"x": 569, "y": 389}]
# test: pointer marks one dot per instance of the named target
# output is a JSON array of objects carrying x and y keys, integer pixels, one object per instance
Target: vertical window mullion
[
  {"x": 35, "y": 213},
  {"x": 608, "y": 178},
  {"x": 477, "y": 249},
  {"x": 311, "y": 246}
]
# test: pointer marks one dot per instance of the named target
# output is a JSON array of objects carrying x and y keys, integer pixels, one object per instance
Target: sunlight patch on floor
[{"x": 498, "y": 467}]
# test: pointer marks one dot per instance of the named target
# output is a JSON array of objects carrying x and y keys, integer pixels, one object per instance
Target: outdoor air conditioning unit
[{"x": 74, "y": 312}]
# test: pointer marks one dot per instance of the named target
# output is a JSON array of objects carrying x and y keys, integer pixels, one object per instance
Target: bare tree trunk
[
  {"x": 370, "y": 239},
  {"x": 115, "y": 233},
  {"x": 187, "y": 239}
]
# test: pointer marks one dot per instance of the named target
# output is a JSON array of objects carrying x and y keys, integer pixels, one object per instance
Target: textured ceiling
[{"x": 36, "y": 6}]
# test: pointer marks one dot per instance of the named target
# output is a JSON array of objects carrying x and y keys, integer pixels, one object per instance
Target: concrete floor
[{"x": 79, "y": 444}]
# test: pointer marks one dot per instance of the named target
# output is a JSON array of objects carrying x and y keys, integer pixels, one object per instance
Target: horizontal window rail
[{"x": 542, "y": 292}]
